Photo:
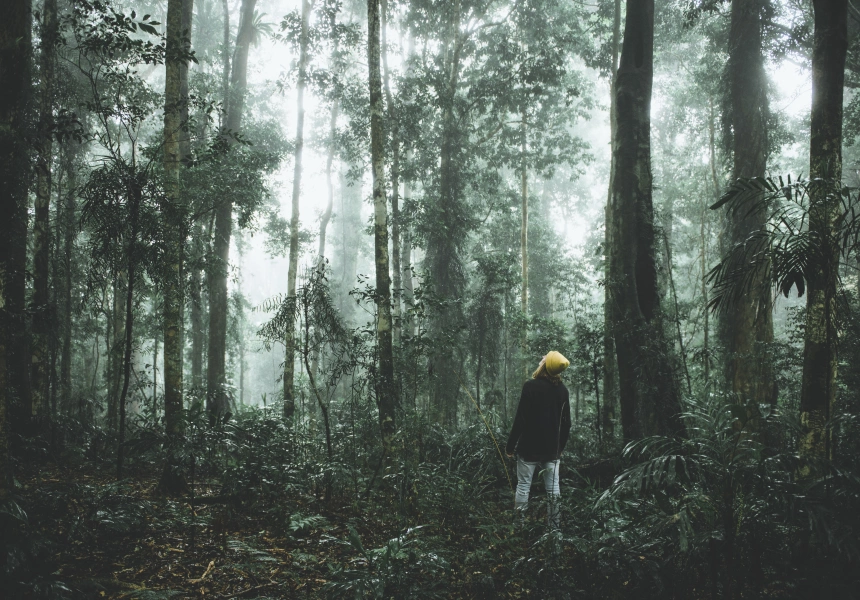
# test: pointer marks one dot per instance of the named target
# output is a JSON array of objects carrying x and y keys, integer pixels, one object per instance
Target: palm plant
[
  {"x": 710, "y": 494},
  {"x": 786, "y": 250},
  {"x": 811, "y": 229}
]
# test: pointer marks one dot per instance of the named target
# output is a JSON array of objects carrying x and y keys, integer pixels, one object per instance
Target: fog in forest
[{"x": 429, "y": 299}]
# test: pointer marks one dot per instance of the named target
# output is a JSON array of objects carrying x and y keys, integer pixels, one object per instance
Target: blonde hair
[{"x": 544, "y": 374}]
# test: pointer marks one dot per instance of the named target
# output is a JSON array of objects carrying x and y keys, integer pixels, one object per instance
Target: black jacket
[{"x": 542, "y": 424}]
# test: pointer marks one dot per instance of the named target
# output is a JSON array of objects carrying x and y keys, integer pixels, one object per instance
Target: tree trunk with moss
[
  {"x": 650, "y": 399},
  {"x": 818, "y": 387},
  {"x": 385, "y": 396},
  {"x": 175, "y": 149},
  {"x": 749, "y": 328},
  {"x": 293, "y": 268},
  {"x": 172, "y": 288}
]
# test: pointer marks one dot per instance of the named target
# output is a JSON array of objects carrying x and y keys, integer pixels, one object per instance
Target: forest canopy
[{"x": 278, "y": 277}]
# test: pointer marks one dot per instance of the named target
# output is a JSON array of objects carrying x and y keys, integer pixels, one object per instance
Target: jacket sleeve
[
  {"x": 519, "y": 424},
  {"x": 564, "y": 425}
]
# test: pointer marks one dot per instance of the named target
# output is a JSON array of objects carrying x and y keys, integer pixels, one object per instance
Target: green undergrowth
[{"x": 719, "y": 514}]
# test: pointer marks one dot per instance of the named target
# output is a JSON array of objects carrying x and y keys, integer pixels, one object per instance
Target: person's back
[
  {"x": 540, "y": 431},
  {"x": 539, "y": 427}
]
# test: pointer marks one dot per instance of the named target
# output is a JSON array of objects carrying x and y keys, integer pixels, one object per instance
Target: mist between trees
[{"x": 273, "y": 274}]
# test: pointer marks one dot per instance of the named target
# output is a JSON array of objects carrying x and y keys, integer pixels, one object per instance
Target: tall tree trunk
[
  {"x": 650, "y": 401},
  {"x": 395, "y": 175},
  {"x": 385, "y": 391},
  {"x": 610, "y": 364},
  {"x": 830, "y": 42},
  {"x": 42, "y": 222},
  {"x": 445, "y": 238},
  {"x": 15, "y": 51},
  {"x": 176, "y": 148},
  {"x": 174, "y": 217},
  {"x": 290, "y": 333},
  {"x": 217, "y": 400},
  {"x": 524, "y": 240},
  {"x": 751, "y": 323}
]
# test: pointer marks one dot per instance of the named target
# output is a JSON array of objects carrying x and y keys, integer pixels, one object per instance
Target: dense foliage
[{"x": 210, "y": 389}]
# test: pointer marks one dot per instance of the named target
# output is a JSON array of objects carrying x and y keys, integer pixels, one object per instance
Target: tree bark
[
  {"x": 830, "y": 42},
  {"x": 395, "y": 176},
  {"x": 217, "y": 400},
  {"x": 445, "y": 239},
  {"x": 650, "y": 400},
  {"x": 751, "y": 323},
  {"x": 174, "y": 214},
  {"x": 42, "y": 223},
  {"x": 610, "y": 364},
  {"x": 524, "y": 241},
  {"x": 290, "y": 333},
  {"x": 385, "y": 391},
  {"x": 15, "y": 51}
]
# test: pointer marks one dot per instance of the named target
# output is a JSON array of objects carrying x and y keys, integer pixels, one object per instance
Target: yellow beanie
[{"x": 556, "y": 362}]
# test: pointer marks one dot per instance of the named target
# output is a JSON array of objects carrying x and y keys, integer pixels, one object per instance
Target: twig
[{"x": 205, "y": 574}]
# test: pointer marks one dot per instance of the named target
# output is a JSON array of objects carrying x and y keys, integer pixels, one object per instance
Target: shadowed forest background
[{"x": 273, "y": 273}]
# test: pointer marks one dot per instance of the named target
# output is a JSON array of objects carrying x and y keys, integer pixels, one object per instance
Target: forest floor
[{"x": 109, "y": 539}]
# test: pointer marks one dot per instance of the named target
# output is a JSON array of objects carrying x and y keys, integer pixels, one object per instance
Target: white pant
[{"x": 525, "y": 473}]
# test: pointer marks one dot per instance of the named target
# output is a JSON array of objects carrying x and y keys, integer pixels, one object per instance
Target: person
[{"x": 540, "y": 432}]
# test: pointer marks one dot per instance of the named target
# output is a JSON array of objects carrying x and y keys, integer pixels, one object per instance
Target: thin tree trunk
[
  {"x": 117, "y": 339},
  {"x": 225, "y": 66},
  {"x": 818, "y": 388},
  {"x": 155, "y": 375},
  {"x": 524, "y": 240},
  {"x": 196, "y": 291},
  {"x": 385, "y": 391},
  {"x": 406, "y": 260},
  {"x": 131, "y": 250},
  {"x": 41, "y": 222},
  {"x": 650, "y": 400},
  {"x": 69, "y": 220},
  {"x": 290, "y": 333},
  {"x": 326, "y": 216},
  {"x": 751, "y": 323},
  {"x": 217, "y": 399},
  {"x": 705, "y": 235}
]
